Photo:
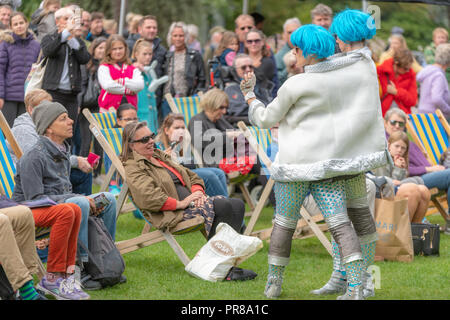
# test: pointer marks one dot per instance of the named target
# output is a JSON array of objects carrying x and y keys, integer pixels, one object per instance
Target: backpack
[
  {"x": 6, "y": 290},
  {"x": 106, "y": 264}
]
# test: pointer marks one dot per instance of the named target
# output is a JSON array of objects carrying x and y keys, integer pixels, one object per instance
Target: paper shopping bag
[{"x": 394, "y": 230}]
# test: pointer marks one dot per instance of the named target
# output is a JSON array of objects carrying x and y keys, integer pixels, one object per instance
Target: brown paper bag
[{"x": 394, "y": 230}]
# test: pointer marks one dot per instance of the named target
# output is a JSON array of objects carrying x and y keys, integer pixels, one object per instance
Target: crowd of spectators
[{"x": 89, "y": 65}]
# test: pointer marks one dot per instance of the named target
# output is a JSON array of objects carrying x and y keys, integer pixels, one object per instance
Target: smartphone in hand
[{"x": 101, "y": 201}]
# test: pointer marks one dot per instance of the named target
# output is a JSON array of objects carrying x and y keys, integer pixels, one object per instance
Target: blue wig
[
  {"x": 353, "y": 25},
  {"x": 314, "y": 40}
]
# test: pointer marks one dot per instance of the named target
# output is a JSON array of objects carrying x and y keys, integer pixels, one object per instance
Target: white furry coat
[{"x": 330, "y": 121}]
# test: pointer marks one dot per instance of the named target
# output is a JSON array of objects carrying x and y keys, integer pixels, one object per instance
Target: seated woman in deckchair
[{"x": 168, "y": 193}]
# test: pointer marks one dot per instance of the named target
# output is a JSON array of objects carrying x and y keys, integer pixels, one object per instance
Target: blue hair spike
[
  {"x": 314, "y": 40},
  {"x": 353, "y": 25}
]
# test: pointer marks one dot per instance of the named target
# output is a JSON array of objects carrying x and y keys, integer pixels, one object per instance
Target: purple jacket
[
  {"x": 433, "y": 91},
  {"x": 16, "y": 59}
]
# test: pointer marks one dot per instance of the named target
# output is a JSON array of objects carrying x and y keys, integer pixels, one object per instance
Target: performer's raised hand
[{"x": 248, "y": 85}]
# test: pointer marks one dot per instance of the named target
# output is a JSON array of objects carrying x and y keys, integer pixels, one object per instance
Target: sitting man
[
  {"x": 45, "y": 170},
  {"x": 17, "y": 253},
  {"x": 238, "y": 108},
  {"x": 24, "y": 130}
]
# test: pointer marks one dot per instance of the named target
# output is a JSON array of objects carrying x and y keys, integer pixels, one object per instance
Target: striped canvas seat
[
  {"x": 431, "y": 133},
  {"x": 105, "y": 119},
  {"x": 7, "y": 172},
  {"x": 7, "y": 168},
  {"x": 262, "y": 136},
  {"x": 114, "y": 138},
  {"x": 188, "y": 106}
]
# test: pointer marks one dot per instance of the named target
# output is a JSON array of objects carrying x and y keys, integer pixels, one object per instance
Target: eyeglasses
[
  {"x": 145, "y": 139},
  {"x": 246, "y": 27},
  {"x": 223, "y": 107},
  {"x": 255, "y": 41},
  {"x": 129, "y": 119},
  {"x": 249, "y": 66},
  {"x": 401, "y": 124}
]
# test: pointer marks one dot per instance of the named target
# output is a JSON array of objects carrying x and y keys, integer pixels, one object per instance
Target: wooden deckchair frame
[
  {"x": 199, "y": 160},
  {"x": 438, "y": 198},
  {"x": 39, "y": 232},
  {"x": 306, "y": 217},
  {"x": 146, "y": 238}
]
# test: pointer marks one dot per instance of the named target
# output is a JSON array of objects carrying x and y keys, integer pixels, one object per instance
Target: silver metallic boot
[
  {"x": 273, "y": 287},
  {"x": 335, "y": 285},
  {"x": 355, "y": 294},
  {"x": 367, "y": 284}
]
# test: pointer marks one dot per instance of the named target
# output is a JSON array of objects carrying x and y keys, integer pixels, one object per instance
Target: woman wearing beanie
[
  {"x": 352, "y": 28},
  {"x": 44, "y": 171},
  {"x": 322, "y": 162}
]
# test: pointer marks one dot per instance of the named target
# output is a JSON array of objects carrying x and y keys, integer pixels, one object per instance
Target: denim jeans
[
  {"x": 81, "y": 182},
  {"x": 108, "y": 215},
  {"x": 215, "y": 181},
  {"x": 440, "y": 180}
]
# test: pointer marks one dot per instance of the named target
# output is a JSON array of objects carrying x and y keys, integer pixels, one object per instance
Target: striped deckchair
[
  {"x": 188, "y": 106},
  {"x": 111, "y": 141},
  {"x": 430, "y": 131},
  {"x": 260, "y": 140},
  {"x": 8, "y": 171},
  {"x": 105, "y": 119}
]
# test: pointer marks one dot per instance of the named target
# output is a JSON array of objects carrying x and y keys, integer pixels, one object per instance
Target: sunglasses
[
  {"x": 129, "y": 119},
  {"x": 145, "y": 139},
  {"x": 243, "y": 68},
  {"x": 399, "y": 123},
  {"x": 256, "y": 41},
  {"x": 223, "y": 107},
  {"x": 248, "y": 27}
]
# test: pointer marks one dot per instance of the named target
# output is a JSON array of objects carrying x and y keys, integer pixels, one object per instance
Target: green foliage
[{"x": 418, "y": 20}]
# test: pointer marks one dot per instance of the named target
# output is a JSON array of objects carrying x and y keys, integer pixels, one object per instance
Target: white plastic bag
[{"x": 223, "y": 251}]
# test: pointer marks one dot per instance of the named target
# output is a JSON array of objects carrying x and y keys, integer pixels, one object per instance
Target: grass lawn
[{"x": 155, "y": 272}]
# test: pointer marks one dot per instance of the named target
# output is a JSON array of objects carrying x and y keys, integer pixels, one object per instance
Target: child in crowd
[
  {"x": 397, "y": 176},
  {"x": 227, "y": 49},
  {"x": 119, "y": 79},
  {"x": 147, "y": 110}
]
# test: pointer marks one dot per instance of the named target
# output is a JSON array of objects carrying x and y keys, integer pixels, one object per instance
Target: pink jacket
[{"x": 107, "y": 99}]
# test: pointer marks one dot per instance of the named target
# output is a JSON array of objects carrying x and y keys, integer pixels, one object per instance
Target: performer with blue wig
[
  {"x": 326, "y": 136},
  {"x": 352, "y": 28}
]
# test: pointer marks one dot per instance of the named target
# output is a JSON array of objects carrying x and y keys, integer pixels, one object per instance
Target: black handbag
[
  {"x": 90, "y": 97},
  {"x": 426, "y": 239}
]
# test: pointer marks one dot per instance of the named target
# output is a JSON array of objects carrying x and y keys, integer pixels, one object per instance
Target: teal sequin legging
[{"x": 331, "y": 200}]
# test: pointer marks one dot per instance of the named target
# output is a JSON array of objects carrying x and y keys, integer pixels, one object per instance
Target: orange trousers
[{"x": 64, "y": 220}]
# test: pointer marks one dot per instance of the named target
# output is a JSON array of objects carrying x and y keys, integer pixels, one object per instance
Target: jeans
[
  {"x": 440, "y": 180},
  {"x": 108, "y": 215},
  {"x": 81, "y": 182},
  {"x": 215, "y": 181}
]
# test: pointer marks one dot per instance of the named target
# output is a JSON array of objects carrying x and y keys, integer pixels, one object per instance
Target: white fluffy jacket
[{"x": 330, "y": 121}]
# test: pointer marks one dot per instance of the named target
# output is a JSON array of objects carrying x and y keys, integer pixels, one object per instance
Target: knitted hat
[{"x": 45, "y": 113}]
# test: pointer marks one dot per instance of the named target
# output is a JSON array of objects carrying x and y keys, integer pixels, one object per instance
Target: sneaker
[
  {"x": 61, "y": 289},
  {"x": 447, "y": 228},
  {"x": 77, "y": 288}
]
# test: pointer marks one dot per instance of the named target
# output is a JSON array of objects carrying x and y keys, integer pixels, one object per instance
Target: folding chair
[
  {"x": 430, "y": 131},
  {"x": 259, "y": 140},
  {"x": 111, "y": 141},
  {"x": 8, "y": 171},
  {"x": 105, "y": 119},
  {"x": 189, "y": 107}
]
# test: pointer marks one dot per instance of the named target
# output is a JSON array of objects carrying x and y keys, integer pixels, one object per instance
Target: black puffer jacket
[
  {"x": 55, "y": 50},
  {"x": 194, "y": 71}
]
